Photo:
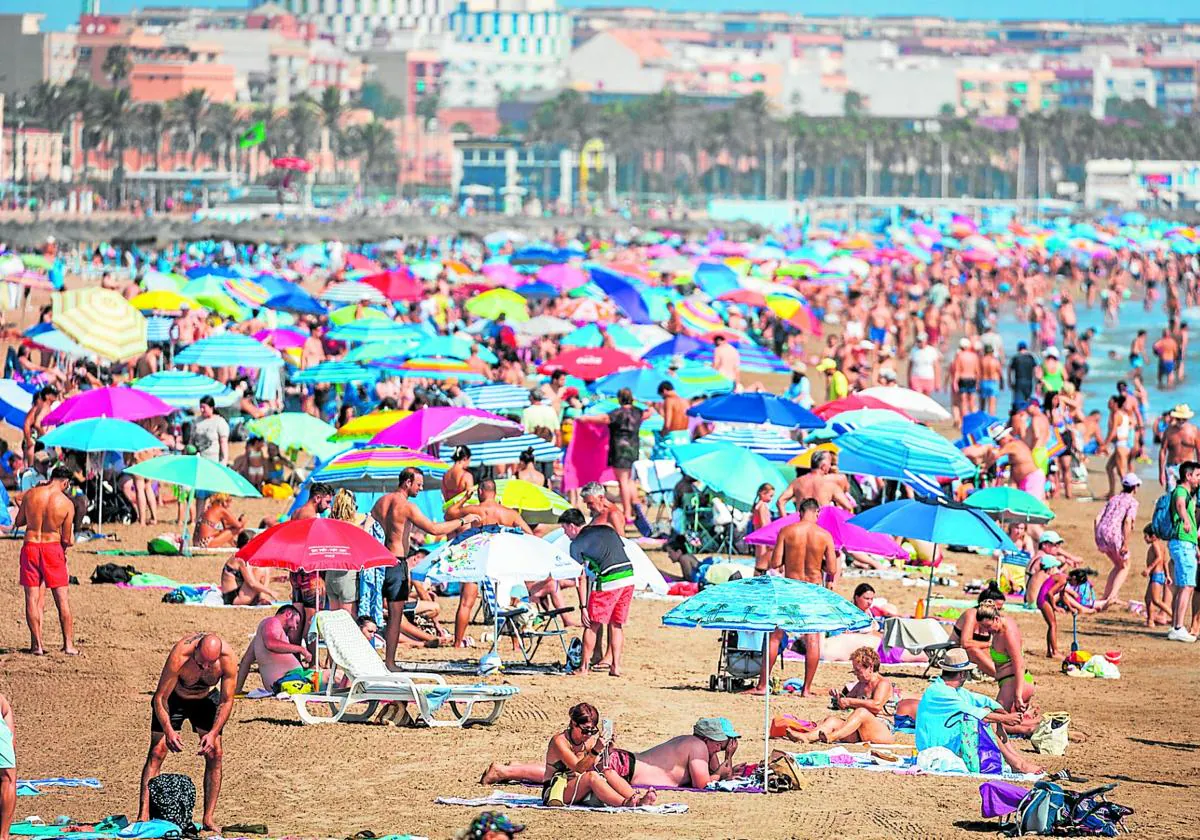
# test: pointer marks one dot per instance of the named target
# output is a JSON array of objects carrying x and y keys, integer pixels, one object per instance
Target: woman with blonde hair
[
  {"x": 217, "y": 527},
  {"x": 341, "y": 587},
  {"x": 871, "y": 701}
]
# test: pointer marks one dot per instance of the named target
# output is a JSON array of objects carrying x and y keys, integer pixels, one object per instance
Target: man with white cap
[
  {"x": 947, "y": 708},
  {"x": 1181, "y": 442},
  {"x": 963, "y": 379},
  {"x": 924, "y": 366}
]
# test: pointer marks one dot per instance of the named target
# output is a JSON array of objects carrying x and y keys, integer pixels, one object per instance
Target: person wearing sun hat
[
  {"x": 836, "y": 383},
  {"x": 952, "y": 717},
  {"x": 1181, "y": 442}
]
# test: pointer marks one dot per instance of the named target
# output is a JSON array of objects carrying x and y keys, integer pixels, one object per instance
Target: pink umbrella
[
  {"x": 444, "y": 424},
  {"x": 562, "y": 276},
  {"x": 846, "y": 537},
  {"x": 503, "y": 274},
  {"x": 357, "y": 262},
  {"x": 661, "y": 250},
  {"x": 118, "y": 401},
  {"x": 281, "y": 339}
]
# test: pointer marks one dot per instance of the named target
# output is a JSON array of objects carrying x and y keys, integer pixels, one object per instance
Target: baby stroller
[
  {"x": 116, "y": 507},
  {"x": 740, "y": 661}
]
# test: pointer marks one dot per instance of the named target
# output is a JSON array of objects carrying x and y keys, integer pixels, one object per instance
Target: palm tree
[
  {"x": 332, "y": 110},
  {"x": 221, "y": 128},
  {"x": 116, "y": 65},
  {"x": 303, "y": 122},
  {"x": 187, "y": 112},
  {"x": 115, "y": 121},
  {"x": 375, "y": 145},
  {"x": 152, "y": 119}
]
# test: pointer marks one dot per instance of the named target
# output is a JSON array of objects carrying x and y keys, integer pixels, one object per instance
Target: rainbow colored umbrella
[
  {"x": 367, "y": 426},
  {"x": 440, "y": 369},
  {"x": 698, "y": 317},
  {"x": 376, "y": 468},
  {"x": 246, "y": 291}
]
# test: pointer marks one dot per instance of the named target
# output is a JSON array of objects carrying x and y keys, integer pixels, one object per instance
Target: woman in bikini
[
  {"x": 241, "y": 587},
  {"x": 975, "y": 639},
  {"x": 217, "y": 527},
  {"x": 458, "y": 482},
  {"x": 572, "y": 757},
  {"x": 871, "y": 701},
  {"x": 527, "y": 469},
  {"x": 760, "y": 517},
  {"x": 1016, "y": 684}
]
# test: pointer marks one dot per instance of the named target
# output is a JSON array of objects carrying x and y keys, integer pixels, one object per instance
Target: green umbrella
[
  {"x": 1008, "y": 504},
  {"x": 728, "y": 470},
  {"x": 297, "y": 430},
  {"x": 349, "y": 313},
  {"x": 382, "y": 349},
  {"x": 36, "y": 262}
]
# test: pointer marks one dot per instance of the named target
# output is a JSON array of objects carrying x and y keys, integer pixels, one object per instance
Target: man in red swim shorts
[
  {"x": 47, "y": 516},
  {"x": 605, "y": 588}
]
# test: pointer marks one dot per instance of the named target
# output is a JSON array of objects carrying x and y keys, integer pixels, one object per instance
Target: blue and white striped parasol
[
  {"x": 183, "y": 389},
  {"x": 764, "y": 441},
  {"x": 336, "y": 373},
  {"x": 507, "y": 451},
  {"x": 497, "y": 397},
  {"x": 229, "y": 350}
]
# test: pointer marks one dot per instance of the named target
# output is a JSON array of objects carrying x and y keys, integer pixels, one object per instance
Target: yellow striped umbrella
[
  {"x": 101, "y": 321},
  {"x": 368, "y": 425},
  {"x": 162, "y": 300}
]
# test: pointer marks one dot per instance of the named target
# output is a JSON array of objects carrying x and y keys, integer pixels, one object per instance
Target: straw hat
[
  {"x": 957, "y": 661},
  {"x": 1183, "y": 411}
]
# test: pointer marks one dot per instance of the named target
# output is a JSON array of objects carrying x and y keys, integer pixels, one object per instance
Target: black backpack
[
  {"x": 112, "y": 573},
  {"x": 173, "y": 798}
]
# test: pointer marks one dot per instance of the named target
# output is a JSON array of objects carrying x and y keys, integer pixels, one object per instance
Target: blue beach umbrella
[
  {"x": 728, "y": 470},
  {"x": 296, "y": 300},
  {"x": 15, "y": 401},
  {"x": 761, "y": 440},
  {"x": 183, "y": 389},
  {"x": 901, "y": 451},
  {"x": 336, "y": 373},
  {"x": 757, "y": 407},
  {"x": 642, "y": 382},
  {"x": 229, "y": 350},
  {"x": 371, "y": 330},
  {"x": 497, "y": 397},
  {"x": 101, "y": 434}
]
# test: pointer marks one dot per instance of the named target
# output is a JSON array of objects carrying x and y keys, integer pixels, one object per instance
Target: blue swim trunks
[
  {"x": 878, "y": 335},
  {"x": 989, "y": 388},
  {"x": 1159, "y": 577},
  {"x": 1183, "y": 562}
]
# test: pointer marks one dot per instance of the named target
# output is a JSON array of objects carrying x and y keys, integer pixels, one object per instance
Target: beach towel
[
  {"x": 523, "y": 800},
  {"x": 147, "y": 580},
  {"x": 587, "y": 457},
  {"x": 840, "y": 757},
  {"x": 999, "y": 799},
  {"x": 34, "y": 787}
]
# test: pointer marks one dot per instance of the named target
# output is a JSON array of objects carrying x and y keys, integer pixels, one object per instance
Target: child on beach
[{"x": 1158, "y": 611}]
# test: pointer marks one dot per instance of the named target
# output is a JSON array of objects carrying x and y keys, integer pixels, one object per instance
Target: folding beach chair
[
  {"x": 526, "y": 627},
  {"x": 370, "y": 683},
  {"x": 698, "y": 522}
]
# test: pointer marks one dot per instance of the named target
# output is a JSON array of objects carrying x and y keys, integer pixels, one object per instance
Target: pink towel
[{"x": 587, "y": 456}]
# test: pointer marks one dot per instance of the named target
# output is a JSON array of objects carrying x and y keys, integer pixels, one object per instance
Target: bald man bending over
[{"x": 187, "y": 692}]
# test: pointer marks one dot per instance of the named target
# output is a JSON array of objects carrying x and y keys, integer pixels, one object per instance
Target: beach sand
[{"x": 89, "y": 716}]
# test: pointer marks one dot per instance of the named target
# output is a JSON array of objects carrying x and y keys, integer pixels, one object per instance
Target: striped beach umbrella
[
  {"x": 100, "y": 321},
  {"x": 336, "y": 373},
  {"x": 352, "y": 292},
  {"x": 183, "y": 389},
  {"x": 376, "y": 468},
  {"x": 439, "y": 369},
  {"x": 228, "y": 350},
  {"x": 698, "y": 317},
  {"x": 370, "y": 330},
  {"x": 296, "y": 430},
  {"x": 367, "y": 426},
  {"x": 497, "y": 397},
  {"x": 508, "y": 451},
  {"x": 246, "y": 291},
  {"x": 761, "y": 440},
  {"x": 350, "y": 313}
]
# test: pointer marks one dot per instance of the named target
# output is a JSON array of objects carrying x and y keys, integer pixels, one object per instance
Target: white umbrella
[
  {"x": 545, "y": 325},
  {"x": 495, "y": 554},
  {"x": 919, "y": 407}
]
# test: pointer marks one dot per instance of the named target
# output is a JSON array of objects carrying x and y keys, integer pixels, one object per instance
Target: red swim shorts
[
  {"x": 43, "y": 564},
  {"x": 610, "y": 607}
]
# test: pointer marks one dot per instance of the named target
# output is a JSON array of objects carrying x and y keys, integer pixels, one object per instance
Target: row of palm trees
[
  {"x": 672, "y": 146},
  {"x": 206, "y": 132}
]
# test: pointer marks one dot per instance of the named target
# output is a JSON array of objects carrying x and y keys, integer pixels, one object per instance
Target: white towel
[{"x": 523, "y": 800}]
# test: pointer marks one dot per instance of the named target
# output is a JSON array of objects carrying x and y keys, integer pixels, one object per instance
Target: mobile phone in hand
[{"x": 606, "y": 731}]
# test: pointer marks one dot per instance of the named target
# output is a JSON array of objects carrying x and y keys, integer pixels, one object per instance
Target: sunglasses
[{"x": 587, "y": 730}]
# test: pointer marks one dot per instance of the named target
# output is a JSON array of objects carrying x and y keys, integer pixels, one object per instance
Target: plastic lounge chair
[
  {"x": 354, "y": 658},
  {"x": 526, "y": 628}
]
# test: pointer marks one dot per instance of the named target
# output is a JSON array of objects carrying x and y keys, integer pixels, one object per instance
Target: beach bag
[
  {"x": 112, "y": 573},
  {"x": 1042, "y": 810},
  {"x": 1050, "y": 737},
  {"x": 173, "y": 799},
  {"x": 783, "y": 775},
  {"x": 1162, "y": 521}
]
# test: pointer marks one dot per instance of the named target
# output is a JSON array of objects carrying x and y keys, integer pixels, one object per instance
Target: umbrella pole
[
  {"x": 184, "y": 532},
  {"x": 929, "y": 591},
  {"x": 99, "y": 529},
  {"x": 766, "y": 709}
]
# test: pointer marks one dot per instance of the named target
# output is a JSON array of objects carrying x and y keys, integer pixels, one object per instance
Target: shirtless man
[
  {"x": 1037, "y": 426},
  {"x": 1181, "y": 442},
  {"x": 805, "y": 552},
  {"x": 602, "y": 510},
  {"x": 1023, "y": 472},
  {"x": 1067, "y": 318},
  {"x": 488, "y": 511},
  {"x": 320, "y": 497},
  {"x": 685, "y": 761},
  {"x": 878, "y": 320},
  {"x": 820, "y": 483},
  {"x": 458, "y": 482},
  {"x": 47, "y": 516},
  {"x": 186, "y": 692},
  {"x": 275, "y": 647},
  {"x": 42, "y": 404},
  {"x": 674, "y": 409},
  {"x": 963, "y": 377},
  {"x": 991, "y": 381},
  {"x": 1167, "y": 350},
  {"x": 397, "y": 514}
]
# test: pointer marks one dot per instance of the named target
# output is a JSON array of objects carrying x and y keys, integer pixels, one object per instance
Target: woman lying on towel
[
  {"x": 571, "y": 760},
  {"x": 871, "y": 701}
]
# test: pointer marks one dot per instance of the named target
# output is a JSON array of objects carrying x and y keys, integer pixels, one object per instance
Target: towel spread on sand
[
  {"x": 522, "y": 800},
  {"x": 34, "y": 787},
  {"x": 840, "y": 758}
]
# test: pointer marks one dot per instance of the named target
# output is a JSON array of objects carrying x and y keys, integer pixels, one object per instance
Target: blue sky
[{"x": 59, "y": 13}]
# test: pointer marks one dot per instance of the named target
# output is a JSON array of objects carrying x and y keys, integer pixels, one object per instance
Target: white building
[
  {"x": 1142, "y": 183},
  {"x": 1125, "y": 83},
  {"x": 895, "y": 85},
  {"x": 353, "y": 22}
]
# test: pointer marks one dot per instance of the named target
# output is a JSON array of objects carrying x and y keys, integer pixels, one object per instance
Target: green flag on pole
[{"x": 256, "y": 135}]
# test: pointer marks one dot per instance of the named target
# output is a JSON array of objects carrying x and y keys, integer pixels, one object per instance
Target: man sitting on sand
[
  {"x": 951, "y": 716},
  {"x": 276, "y": 648},
  {"x": 685, "y": 761}
]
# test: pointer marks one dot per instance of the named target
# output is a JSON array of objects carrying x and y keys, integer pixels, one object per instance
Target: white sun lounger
[{"x": 354, "y": 658}]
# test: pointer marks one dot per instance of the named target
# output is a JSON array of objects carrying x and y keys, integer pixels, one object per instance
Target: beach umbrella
[
  {"x": 117, "y": 401},
  {"x": 368, "y": 425},
  {"x": 162, "y": 301},
  {"x": 160, "y": 281},
  {"x": 37, "y": 262},
  {"x": 536, "y": 504},
  {"x": 853, "y": 402},
  {"x": 768, "y": 442},
  {"x": 624, "y": 291},
  {"x": 497, "y": 396},
  {"x": 46, "y": 336},
  {"x": 352, "y": 292},
  {"x": 397, "y": 284},
  {"x": 434, "y": 369},
  {"x": 375, "y": 469},
  {"x": 100, "y": 321},
  {"x": 904, "y": 452},
  {"x": 296, "y": 430},
  {"x": 228, "y": 350},
  {"x": 590, "y": 363},
  {"x": 728, "y": 470},
  {"x": 450, "y": 347},
  {"x": 502, "y": 274},
  {"x": 335, "y": 373},
  {"x": 679, "y": 345},
  {"x": 353, "y": 312},
  {"x": 282, "y": 339},
  {"x": 562, "y": 276},
  {"x": 449, "y": 425},
  {"x": 492, "y": 304},
  {"x": 642, "y": 382},
  {"x": 537, "y": 291},
  {"x": 592, "y": 335},
  {"x": 102, "y": 434},
  {"x": 246, "y": 291},
  {"x": 16, "y": 399},
  {"x": 493, "y": 553},
  {"x": 542, "y": 325},
  {"x": 765, "y": 604},
  {"x": 978, "y": 426},
  {"x": 916, "y": 405},
  {"x": 846, "y": 537},
  {"x": 756, "y": 407},
  {"x": 375, "y": 350},
  {"x": 508, "y": 450},
  {"x": 183, "y": 389},
  {"x": 358, "y": 262},
  {"x": 295, "y": 300},
  {"x": 715, "y": 278},
  {"x": 370, "y": 330},
  {"x": 861, "y": 418},
  {"x": 937, "y": 521},
  {"x": 316, "y": 545},
  {"x": 1008, "y": 504},
  {"x": 754, "y": 359}
]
